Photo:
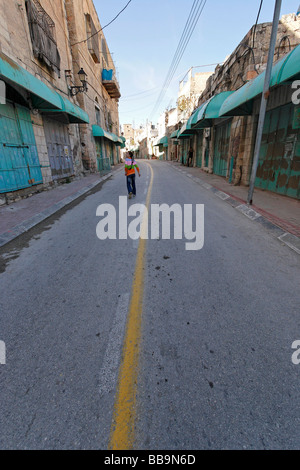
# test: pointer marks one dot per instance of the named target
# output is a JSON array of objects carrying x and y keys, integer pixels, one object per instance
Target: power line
[
  {"x": 190, "y": 25},
  {"x": 163, "y": 90},
  {"x": 144, "y": 92},
  {"x": 258, "y": 15},
  {"x": 195, "y": 21},
  {"x": 97, "y": 32}
]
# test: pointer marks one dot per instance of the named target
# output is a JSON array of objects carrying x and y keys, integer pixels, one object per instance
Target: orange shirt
[{"x": 130, "y": 166}]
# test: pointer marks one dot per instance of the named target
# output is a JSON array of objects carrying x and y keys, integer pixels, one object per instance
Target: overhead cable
[
  {"x": 190, "y": 25},
  {"x": 97, "y": 32}
]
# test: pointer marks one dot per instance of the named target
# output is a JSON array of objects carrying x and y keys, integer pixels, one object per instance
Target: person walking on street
[
  {"x": 190, "y": 157},
  {"x": 130, "y": 166}
]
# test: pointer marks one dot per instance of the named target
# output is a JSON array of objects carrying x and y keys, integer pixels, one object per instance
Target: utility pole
[{"x": 264, "y": 99}]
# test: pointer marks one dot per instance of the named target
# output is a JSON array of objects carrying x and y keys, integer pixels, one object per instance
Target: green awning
[
  {"x": 123, "y": 145},
  {"x": 185, "y": 132},
  {"x": 15, "y": 75},
  {"x": 42, "y": 97},
  {"x": 240, "y": 103},
  {"x": 174, "y": 135},
  {"x": 75, "y": 113},
  {"x": 99, "y": 132},
  {"x": 119, "y": 141},
  {"x": 290, "y": 68},
  {"x": 163, "y": 141},
  {"x": 186, "y": 129},
  {"x": 204, "y": 115}
]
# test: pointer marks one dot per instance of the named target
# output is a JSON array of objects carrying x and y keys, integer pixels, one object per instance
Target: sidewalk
[
  {"x": 20, "y": 216},
  {"x": 277, "y": 212}
]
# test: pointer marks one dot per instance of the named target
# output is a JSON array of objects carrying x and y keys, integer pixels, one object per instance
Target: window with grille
[{"x": 43, "y": 37}]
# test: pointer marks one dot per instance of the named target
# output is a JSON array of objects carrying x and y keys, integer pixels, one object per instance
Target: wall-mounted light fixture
[{"x": 74, "y": 90}]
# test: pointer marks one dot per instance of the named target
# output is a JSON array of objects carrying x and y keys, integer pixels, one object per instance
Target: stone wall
[
  {"x": 246, "y": 62},
  {"x": 76, "y": 11}
]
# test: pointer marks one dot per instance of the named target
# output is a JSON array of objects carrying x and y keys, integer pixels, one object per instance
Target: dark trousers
[{"x": 131, "y": 184}]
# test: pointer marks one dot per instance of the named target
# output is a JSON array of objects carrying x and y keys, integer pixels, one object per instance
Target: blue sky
[{"x": 144, "y": 39}]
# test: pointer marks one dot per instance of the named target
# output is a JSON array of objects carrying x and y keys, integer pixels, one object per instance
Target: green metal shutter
[
  {"x": 19, "y": 162},
  {"x": 279, "y": 160},
  {"x": 199, "y": 149},
  {"x": 221, "y": 148}
]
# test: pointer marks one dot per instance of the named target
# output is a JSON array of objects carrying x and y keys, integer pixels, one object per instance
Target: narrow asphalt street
[{"x": 211, "y": 364}]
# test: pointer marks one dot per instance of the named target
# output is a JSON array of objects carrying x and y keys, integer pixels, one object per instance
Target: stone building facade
[
  {"x": 190, "y": 89},
  {"x": 47, "y": 132},
  {"x": 226, "y": 147},
  {"x": 90, "y": 51}
]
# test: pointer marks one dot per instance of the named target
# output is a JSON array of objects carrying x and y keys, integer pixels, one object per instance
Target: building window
[
  {"x": 92, "y": 37},
  {"x": 98, "y": 118},
  {"x": 43, "y": 38}
]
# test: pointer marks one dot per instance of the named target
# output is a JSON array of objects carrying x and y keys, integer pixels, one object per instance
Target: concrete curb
[
  {"x": 18, "y": 230},
  {"x": 289, "y": 239}
]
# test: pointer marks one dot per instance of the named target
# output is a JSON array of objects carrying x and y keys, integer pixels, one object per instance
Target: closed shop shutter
[
  {"x": 221, "y": 148},
  {"x": 199, "y": 149},
  {"x": 19, "y": 163},
  {"x": 279, "y": 160},
  {"x": 59, "y": 148}
]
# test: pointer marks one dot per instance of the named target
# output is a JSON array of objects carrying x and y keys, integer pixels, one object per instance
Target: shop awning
[
  {"x": 185, "y": 131},
  {"x": 204, "y": 115},
  {"x": 290, "y": 68},
  {"x": 16, "y": 76},
  {"x": 174, "y": 135},
  {"x": 75, "y": 114},
  {"x": 123, "y": 142},
  {"x": 163, "y": 141},
  {"x": 99, "y": 132},
  {"x": 43, "y": 98},
  {"x": 119, "y": 141},
  {"x": 240, "y": 103}
]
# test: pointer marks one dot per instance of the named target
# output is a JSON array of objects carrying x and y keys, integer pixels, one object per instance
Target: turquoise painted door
[
  {"x": 221, "y": 148},
  {"x": 103, "y": 163},
  {"x": 19, "y": 162},
  {"x": 279, "y": 159}
]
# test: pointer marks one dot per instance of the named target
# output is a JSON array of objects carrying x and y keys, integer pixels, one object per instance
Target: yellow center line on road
[{"x": 122, "y": 435}]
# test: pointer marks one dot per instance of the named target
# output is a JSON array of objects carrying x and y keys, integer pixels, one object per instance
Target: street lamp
[{"x": 74, "y": 90}]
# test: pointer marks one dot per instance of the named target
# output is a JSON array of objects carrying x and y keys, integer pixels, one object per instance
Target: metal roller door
[
  {"x": 59, "y": 149},
  {"x": 221, "y": 148},
  {"x": 279, "y": 160}
]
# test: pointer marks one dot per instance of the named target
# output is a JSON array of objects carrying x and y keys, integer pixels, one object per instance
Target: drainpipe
[{"x": 264, "y": 99}]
